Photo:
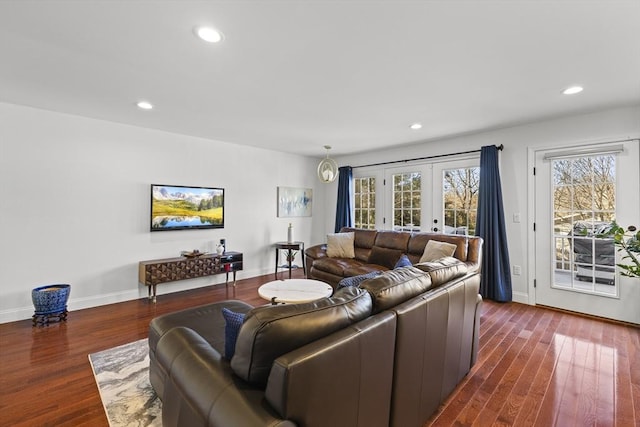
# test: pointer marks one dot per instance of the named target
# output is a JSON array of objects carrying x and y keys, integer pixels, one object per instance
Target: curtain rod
[{"x": 500, "y": 147}]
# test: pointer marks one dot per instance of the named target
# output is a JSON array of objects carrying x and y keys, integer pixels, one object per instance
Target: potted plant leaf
[{"x": 627, "y": 241}]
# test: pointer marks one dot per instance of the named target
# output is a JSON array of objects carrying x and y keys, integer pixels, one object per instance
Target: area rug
[{"x": 122, "y": 375}]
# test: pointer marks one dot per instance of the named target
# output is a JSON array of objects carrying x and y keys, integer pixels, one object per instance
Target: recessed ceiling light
[
  {"x": 416, "y": 126},
  {"x": 208, "y": 34},
  {"x": 573, "y": 90},
  {"x": 144, "y": 105}
]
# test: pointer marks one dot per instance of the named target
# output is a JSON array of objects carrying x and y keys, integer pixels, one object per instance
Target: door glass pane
[
  {"x": 460, "y": 200},
  {"x": 365, "y": 202},
  {"x": 407, "y": 201},
  {"x": 583, "y": 210}
]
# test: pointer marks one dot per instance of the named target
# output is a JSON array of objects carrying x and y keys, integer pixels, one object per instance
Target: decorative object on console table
[
  {"x": 194, "y": 253},
  {"x": 290, "y": 234},
  {"x": 50, "y": 303},
  {"x": 290, "y": 250},
  {"x": 153, "y": 272}
]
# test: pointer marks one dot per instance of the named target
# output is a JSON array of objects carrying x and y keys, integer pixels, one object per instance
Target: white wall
[
  {"x": 606, "y": 125},
  {"x": 74, "y": 205},
  {"x": 74, "y": 200}
]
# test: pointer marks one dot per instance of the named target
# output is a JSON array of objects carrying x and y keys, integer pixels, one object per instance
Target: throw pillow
[
  {"x": 341, "y": 245},
  {"x": 356, "y": 280},
  {"x": 403, "y": 262},
  {"x": 435, "y": 250},
  {"x": 233, "y": 322}
]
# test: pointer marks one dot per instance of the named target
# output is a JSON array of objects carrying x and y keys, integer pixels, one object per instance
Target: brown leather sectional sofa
[
  {"x": 387, "y": 246},
  {"x": 386, "y": 353}
]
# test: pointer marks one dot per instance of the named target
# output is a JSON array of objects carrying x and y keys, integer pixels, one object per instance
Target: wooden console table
[{"x": 156, "y": 271}]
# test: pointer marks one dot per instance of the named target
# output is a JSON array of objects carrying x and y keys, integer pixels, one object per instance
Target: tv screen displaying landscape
[{"x": 175, "y": 207}]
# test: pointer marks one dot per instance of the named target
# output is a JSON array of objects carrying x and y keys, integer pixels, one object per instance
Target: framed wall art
[{"x": 293, "y": 201}]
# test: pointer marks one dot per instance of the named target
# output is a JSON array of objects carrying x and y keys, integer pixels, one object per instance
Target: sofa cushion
[
  {"x": 395, "y": 286},
  {"x": 385, "y": 257},
  {"x": 404, "y": 261},
  {"x": 233, "y": 323},
  {"x": 268, "y": 332},
  {"x": 443, "y": 270},
  {"x": 339, "y": 266},
  {"x": 360, "y": 269},
  {"x": 340, "y": 245},
  {"x": 435, "y": 250},
  {"x": 356, "y": 280}
]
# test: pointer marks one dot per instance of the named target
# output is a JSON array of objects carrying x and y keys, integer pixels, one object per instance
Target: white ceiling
[{"x": 297, "y": 75}]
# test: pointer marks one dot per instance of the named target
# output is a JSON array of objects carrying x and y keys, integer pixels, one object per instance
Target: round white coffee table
[{"x": 294, "y": 291}]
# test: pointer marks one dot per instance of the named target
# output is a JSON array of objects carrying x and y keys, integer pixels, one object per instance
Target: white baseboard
[
  {"x": 22, "y": 313},
  {"x": 14, "y": 314},
  {"x": 520, "y": 297}
]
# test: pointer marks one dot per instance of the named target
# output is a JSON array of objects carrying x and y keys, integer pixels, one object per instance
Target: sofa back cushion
[
  {"x": 443, "y": 270},
  {"x": 268, "y": 332},
  {"x": 393, "y": 240},
  {"x": 364, "y": 240},
  {"x": 396, "y": 286}
]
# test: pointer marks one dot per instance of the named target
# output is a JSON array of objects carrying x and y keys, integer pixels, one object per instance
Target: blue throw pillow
[
  {"x": 403, "y": 262},
  {"x": 233, "y": 322},
  {"x": 356, "y": 280}
]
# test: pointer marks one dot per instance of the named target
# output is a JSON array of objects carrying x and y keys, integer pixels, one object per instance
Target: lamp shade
[{"x": 327, "y": 169}]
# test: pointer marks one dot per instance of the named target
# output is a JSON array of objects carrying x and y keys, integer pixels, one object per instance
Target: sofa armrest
[
  {"x": 474, "y": 254},
  {"x": 313, "y": 253},
  {"x": 201, "y": 390},
  {"x": 351, "y": 372}
]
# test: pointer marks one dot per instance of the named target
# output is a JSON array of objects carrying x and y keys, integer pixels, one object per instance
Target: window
[
  {"x": 583, "y": 209},
  {"x": 365, "y": 202},
  {"x": 460, "y": 199},
  {"x": 407, "y": 193}
]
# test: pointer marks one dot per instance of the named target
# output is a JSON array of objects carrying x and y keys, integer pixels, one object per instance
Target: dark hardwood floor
[{"x": 536, "y": 367}]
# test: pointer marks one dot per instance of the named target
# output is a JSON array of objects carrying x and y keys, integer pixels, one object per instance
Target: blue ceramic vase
[{"x": 50, "y": 299}]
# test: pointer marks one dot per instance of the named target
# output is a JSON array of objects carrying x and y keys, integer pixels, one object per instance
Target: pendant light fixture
[{"x": 328, "y": 168}]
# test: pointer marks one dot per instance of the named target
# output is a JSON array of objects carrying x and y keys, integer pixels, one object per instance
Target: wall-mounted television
[{"x": 176, "y": 207}]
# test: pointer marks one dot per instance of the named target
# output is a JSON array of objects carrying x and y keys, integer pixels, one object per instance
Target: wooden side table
[{"x": 288, "y": 249}]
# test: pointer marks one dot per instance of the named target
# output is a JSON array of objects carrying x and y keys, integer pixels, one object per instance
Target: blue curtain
[
  {"x": 343, "y": 208},
  {"x": 490, "y": 225}
]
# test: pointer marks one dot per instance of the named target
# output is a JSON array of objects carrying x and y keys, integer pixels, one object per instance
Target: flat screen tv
[{"x": 175, "y": 207}]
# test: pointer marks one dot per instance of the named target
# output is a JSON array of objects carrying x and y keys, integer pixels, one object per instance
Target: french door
[
  {"x": 579, "y": 192},
  {"x": 439, "y": 197},
  {"x": 455, "y": 196},
  {"x": 406, "y": 207}
]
